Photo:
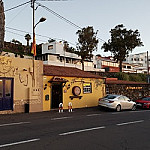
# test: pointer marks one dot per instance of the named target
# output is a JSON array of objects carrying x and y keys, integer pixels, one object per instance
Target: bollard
[
  {"x": 60, "y": 107},
  {"x": 70, "y": 107}
]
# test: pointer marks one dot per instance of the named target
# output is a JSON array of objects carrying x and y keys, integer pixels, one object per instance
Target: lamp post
[{"x": 34, "y": 26}]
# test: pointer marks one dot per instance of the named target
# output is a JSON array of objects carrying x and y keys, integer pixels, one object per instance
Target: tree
[
  {"x": 68, "y": 48},
  {"x": 2, "y": 25},
  {"x": 28, "y": 38},
  {"x": 16, "y": 42},
  {"x": 87, "y": 43},
  {"x": 121, "y": 43}
]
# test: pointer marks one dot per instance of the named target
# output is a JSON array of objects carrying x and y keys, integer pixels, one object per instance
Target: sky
[{"x": 103, "y": 15}]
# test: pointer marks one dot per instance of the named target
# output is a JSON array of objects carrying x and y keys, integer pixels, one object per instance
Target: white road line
[
  {"x": 93, "y": 115},
  {"x": 17, "y": 143},
  {"x": 126, "y": 123},
  {"x": 84, "y": 130},
  {"x": 139, "y": 111},
  {"x": 61, "y": 118},
  {"x": 11, "y": 124},
  {"x": 115, "y": 113}
]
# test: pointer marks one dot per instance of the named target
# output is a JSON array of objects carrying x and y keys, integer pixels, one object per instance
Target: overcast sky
[{"x": 103, "y": 15}]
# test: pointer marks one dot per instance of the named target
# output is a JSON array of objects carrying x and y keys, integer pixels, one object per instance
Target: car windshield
[
  {"x": 146, "y": 98},
  {"x": 110, "y": 96}
]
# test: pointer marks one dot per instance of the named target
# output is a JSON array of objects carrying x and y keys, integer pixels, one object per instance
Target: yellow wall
[
  {"x": 87, "y": 100},
  {"x": 21, "y": 70}
]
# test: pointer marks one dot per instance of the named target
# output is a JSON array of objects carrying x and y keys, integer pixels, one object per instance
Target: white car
[{"x": 117, "y": 102}]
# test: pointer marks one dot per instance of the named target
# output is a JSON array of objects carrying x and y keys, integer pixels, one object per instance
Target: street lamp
[
  {"x": 41, "y": 20},
  {"x": 34, "y": 43}
]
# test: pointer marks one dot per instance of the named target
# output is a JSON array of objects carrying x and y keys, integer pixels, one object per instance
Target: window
[
  {"x": 87, "y": 88},
  {"x": 50, "y": 47},
  {"x": 121, "y": 98},
  {"x": 125, "y": 98},
  {"x": 129, "y": 67},
  {"x": 110, "y": 96}
]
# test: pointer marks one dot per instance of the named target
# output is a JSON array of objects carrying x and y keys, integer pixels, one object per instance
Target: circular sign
[{"x": 76, "y": 90}]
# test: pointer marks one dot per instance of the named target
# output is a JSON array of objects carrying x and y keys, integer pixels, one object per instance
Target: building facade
[
  {"x": 21, "y": 83},
  {"x": 67, "y": 84},
  {"x": 53, "y": 54}
]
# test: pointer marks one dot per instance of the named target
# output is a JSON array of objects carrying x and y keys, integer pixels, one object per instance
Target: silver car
[{"x": 117, "y": 102}]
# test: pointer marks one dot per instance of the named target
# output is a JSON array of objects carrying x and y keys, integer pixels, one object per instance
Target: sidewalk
[{"x": 51, "y": 114}]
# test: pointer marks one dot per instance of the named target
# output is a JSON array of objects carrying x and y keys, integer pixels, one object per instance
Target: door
[
  {"x": 56, "y": 95},
  {"x": 6, "y": 94}
]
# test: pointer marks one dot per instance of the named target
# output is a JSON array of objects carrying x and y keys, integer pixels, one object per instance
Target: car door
[
  {"x": 121, "y": 100},
  {"x": 127, "y": 103}
]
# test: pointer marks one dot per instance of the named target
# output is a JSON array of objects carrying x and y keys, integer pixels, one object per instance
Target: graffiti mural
[{"x": 8, "y": 70}]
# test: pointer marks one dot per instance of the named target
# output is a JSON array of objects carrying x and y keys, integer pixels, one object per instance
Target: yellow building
[
  {"x": 21, "y": 85},
  {"x": 66, "y": 84}
]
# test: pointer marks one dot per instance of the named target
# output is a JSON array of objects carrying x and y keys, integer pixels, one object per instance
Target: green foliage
[
  {"x": 137, "y": 78},
  {"x": 87, "y": 43},
  {"x": 68, "y": 48},
  {"x": 143, "y": 77},
  {"x": 122, "y": 42},
  {"x": 130, "y": 77},
  {"x": 27, "y": 38},
  {"x": 122, "y": 76}
]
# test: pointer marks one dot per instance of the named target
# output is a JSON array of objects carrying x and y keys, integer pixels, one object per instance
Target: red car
[{"x": 144, "y": 102}]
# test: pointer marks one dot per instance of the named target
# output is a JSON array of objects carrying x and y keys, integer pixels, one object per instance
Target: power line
[
  {"x": 16, "y": 15},
  {"x": 17, "y": 6},
  {"x": 63, "y": 18},
  {"x": 51, "y": 0},
  {"x": 59, "y": 16},
  {"x": 22, "y": 35},
  {"x": 51, "y": 11},
  {"x": 36, "y": 35}
]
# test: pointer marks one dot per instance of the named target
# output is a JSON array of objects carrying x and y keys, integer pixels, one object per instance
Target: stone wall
[{"x": 133, "y": 91}]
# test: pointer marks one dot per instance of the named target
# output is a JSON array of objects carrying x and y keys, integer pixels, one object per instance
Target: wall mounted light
[
  {"x": 45, "y": 87},
  {"x": 24, "y": 69}
]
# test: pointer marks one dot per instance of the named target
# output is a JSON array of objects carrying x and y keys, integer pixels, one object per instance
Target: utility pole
[
  {"x": 34, "y": 42},
  {"x": 147, "y": 64},
  {"x": 33, "y": 22},
  {"x": 148, "y": 77}
]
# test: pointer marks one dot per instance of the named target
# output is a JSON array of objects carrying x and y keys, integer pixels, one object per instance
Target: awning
[{"x": 58, "y": 79}]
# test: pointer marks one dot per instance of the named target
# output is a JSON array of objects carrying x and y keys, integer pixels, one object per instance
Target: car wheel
[
  {"x": 118, "y": 108},
  {"x": 134, "y": 107}
]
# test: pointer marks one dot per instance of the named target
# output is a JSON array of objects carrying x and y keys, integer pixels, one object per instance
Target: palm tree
[
  {"x": 28, "y": 38},
  {"x": 2, "y": 25}
]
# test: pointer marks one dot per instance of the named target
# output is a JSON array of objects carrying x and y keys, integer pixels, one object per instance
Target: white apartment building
[
  {"x": 138, "y": 59},
  {"x": 53, "y": 54}
]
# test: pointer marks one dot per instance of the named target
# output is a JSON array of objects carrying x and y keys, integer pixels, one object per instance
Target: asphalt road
[{"x": 90, "y": 129}]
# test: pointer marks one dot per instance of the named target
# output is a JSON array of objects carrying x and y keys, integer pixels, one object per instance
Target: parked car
[
  {"x": 117, "y": 102},
  {"x": 144, "y": 102}
]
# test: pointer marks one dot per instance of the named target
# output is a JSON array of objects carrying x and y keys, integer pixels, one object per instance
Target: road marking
[
  {"x": 15, "y": 123},
  {"x": 17, "y": 143},
  {"x": 93, "y": 115},
  {"x": 126, "y": 123},
  {"x": 84, "y": 130},
  {"x": 61, "y": 118},
  {"x": 139, "y": 111},
  {"x": 115, "y": 113}
]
